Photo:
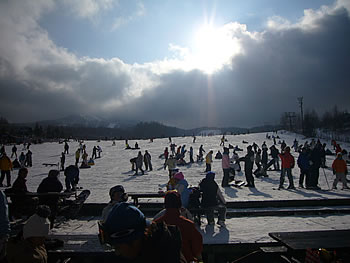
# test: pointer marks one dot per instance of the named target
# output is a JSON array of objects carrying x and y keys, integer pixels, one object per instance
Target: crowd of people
[{"x": 172, "y": 234}]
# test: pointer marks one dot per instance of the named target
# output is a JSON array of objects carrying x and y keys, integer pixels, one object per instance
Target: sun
[{"x": 212, "y": 47}]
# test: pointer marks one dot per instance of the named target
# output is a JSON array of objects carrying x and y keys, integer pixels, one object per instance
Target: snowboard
[
  {"x": 73, "y": 207},
  {"x": 237, "y": 183}
]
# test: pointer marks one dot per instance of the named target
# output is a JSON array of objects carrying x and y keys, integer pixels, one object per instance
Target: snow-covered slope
[{"x": 114, "y": 168}]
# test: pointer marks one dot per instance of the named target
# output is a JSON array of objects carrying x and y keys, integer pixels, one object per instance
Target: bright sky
[{"x": 137, "y": 59}]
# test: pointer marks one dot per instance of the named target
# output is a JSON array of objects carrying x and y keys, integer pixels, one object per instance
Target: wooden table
[
  {"x": 330, "y": 239},
  {"x": 136, "y": 196}
]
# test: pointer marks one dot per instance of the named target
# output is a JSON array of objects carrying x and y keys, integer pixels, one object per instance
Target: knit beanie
[{"x": 36, "y": 226}]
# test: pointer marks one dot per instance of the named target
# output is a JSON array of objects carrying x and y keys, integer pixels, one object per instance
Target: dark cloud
[{"x": 310, "y": 60}]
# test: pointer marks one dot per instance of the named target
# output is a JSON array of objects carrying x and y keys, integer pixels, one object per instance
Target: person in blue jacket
[{"x": 304, "y": 166}]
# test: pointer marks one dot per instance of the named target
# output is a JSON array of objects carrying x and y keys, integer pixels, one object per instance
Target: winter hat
[
  {"x": 179, "y": 176},
  {"x": 172, "y": 200},
  {"x": 36, "y": 226},
  {"x": 116, "y": 189},
  {"x": 53, "y": 173},
  {"x": 210, "y": 175},
  {"x": 124, "y": 223}
]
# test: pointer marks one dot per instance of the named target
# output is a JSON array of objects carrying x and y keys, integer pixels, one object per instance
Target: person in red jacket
[
  {"x": 192, "y": 241},
  {"x": 340, "y": 171},
  {"x": 288, "y": 163}
]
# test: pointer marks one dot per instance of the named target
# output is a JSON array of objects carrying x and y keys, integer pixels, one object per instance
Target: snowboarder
[
  {"x": 72, "y": 177},
  {"x": 99, "y": 150},
  {"x": 222, "y": 143}
]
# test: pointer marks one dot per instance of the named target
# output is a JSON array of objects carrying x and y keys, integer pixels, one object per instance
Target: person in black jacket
[
  {"x": 315, "y": 164},
  {"x": 248, "y": 166},
  {"x": 47, "y": 185},
  {"x": 212, "y": 199},
  {"x": 134, "y": 239}
]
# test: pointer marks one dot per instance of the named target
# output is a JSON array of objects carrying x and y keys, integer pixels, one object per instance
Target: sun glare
[{"x": 212, "y": 48}]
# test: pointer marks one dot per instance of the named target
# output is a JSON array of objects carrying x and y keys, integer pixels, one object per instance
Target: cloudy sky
[{"x": 184, "y": 63}]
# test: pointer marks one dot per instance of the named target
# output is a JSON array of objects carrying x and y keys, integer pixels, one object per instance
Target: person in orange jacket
[
  {"x": 5, "y": 167},
  {"x": 288, "y": 163},
  {"x": 192, "y": 240},
  {"x": 340, "y": 171}
]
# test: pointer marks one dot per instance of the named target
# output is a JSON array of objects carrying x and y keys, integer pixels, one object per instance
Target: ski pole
[{"x": 326, "y": 178}]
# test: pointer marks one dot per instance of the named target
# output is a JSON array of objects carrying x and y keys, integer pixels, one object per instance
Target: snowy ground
[{"x": 114, "y": 168}]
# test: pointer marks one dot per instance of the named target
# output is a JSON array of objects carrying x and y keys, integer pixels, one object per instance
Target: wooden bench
[{"x": 136, "y": 196}]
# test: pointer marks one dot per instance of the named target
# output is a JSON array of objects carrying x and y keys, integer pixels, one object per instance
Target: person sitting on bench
[{"x": 117, "y": 195}]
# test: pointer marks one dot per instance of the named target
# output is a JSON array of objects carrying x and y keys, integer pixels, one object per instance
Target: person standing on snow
[
  {"x": 340, "y": 171},
  {"x": 304, "y": 166},
  {"x": 147, "y": 160},
  {"x": 248, "y": 166},
  {"x": 225, "y": 162},
  {"x": 139, "y": 161},
  {"x": 208, "y": 161},
  {"x": 288, "y": 163}
]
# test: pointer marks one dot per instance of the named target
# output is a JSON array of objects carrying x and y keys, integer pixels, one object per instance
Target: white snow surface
[{"x": 114, "y": 168}]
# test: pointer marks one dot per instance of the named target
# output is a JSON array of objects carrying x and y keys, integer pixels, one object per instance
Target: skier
[
  {"x": 194, "y": 139},
  {"x": 225, "y": 162},
  {"x": 340, "y": 171},
  {"x": 139, "y": 161},
  {"x": 258, "y": 171},
  {"x": 147, "y": 160},
  {"x": 264, "y": 160},
  {"x": 287, "y": 166}
]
